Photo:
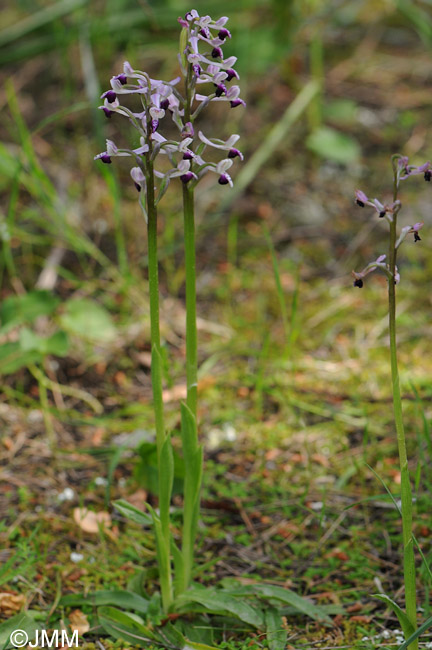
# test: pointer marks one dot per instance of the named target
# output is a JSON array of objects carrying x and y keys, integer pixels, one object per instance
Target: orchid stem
[{"x": 406, "y": 494}]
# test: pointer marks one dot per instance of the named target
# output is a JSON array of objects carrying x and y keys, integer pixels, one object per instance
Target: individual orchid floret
[
  {"x": 183, "y": 170},
  {"x": 138, "y": 178},
  {"x": 382, "y": 210},
  {"x": 113, "y": 150},
  {"x": 379, "y": 263},
  {"x": 406, "y": 170},
  {"x": 227, "y": 145},
  {"x": 221, "y": 168},
  {"x": 407, "y": 230}
]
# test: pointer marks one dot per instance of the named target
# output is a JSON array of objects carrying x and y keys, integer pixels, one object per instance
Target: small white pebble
[
  {"x": 34, "y": 416},
  {"x": 76, "y": 557},
  {"x": 101, "y": 481},
  {"x": 67, "y": 495},
  {"x": 365, "y": 638},
  {"x": 316, "y": 505},
  {"x": 386, "y": 634},
  {"x": 428, "y": 645},
  {"x": 399, "y": 639}
]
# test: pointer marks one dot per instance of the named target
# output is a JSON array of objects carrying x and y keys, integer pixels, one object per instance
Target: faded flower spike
[{"x": 401, "y": 170}]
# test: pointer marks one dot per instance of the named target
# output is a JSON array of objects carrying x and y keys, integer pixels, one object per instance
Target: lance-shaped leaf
[
  {"x": 134, "y": 514},
  {"x": 403, "y": 619},
  {"x": 127, "y": 627},
  {"x": 218, "y": 601}
]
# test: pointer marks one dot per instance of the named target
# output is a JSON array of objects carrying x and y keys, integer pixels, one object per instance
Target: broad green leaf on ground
[
  {"x": 24, "y": 622},
  {"x": 275, "y": 633},
  {"x": 17, "y": 310},
  {"x": 116, "y": 597},
  {"x": 89, "y": 320},
  {"x": 134, "y": 514},
  {"x": 333, "y": 145},
  {"x": 12, "y": 357},
  {"x": 127, "y": 627},
  {"x": 57, "y": 344},
  {"x": 301, "y": 604},
  {"x": 403, "y": 619},
  {"x": 218, "y": 601}
]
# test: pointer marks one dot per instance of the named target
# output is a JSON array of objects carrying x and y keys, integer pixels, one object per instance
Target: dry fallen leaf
[
  {"x": 89, "y": 521},
  {"x": 78, "y": 621},
  {"x": 11, "y": 603}
]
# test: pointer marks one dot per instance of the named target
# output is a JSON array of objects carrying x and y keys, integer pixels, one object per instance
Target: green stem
[
  {"x": 406, "y": 495},
  {"x": 191, "y": 328},
  {"x": 164, "y": 553},
  {"x": 153, "y": 278}
]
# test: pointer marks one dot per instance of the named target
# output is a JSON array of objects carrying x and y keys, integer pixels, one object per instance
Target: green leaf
[
  {"x": 403, "y": 619},
  {"x": 218, "y": 601},
  {"x": 166, "y": 477},
  {"x": 146, "y": 471},
  {"x": 275, "y": 632},
  {"x": 303, "y": 605},
  {"x": 126, "y": 627},
  {"x": 57, "y": 344},
  {"x": 426, "y": 625},
  {"x": 17, "y": 310},
  {"x": 21, "y": 621},
  {"x": 89, "y": 320},
  {"x": 333, "y": 145},
  {"x": 12, "y": 357},
  {"x": 134, "y": 514},
  {"x": 118, "y": 597}
]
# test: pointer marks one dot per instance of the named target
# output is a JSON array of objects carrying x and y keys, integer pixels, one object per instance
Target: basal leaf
[
  {"x": 124, "y": 626},
  {"x": 218, "y": 601},
  {"x": 134, "y": 514},
  {"x": 403, "y": 619},
  {"x": 117, "y": 597}
]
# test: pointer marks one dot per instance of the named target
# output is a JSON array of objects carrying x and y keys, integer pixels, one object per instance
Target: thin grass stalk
[{"x": 406, "y": 494}]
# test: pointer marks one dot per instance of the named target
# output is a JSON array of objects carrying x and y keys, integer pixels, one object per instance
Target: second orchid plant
[{"x": 402, "y": 170}]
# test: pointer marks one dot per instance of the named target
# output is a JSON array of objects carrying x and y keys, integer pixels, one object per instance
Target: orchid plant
[
  {"x": 202, "y": 66},
  {"x": 402, "y": 170},
  {"x": 157, "y": 159}
]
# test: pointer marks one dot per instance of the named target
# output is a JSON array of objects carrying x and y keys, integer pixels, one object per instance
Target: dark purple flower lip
[
  {"x": 217, "y": 53},
  {"x": 237, "y": 102},
  {"x": 188, "y": 155},
  {"x": 154, "y": 125},
  {"x": 122, "y": 78},
  {"x": 428, "y": 175},
  {"x": 223, "y": 34},
  {"x": 138, "y": 187},
  {"x": 110, "y": 96},
  {"x": 187, "y": 177},
  {"x": 106, "y": 159},
  {"x": 358, "y": 283},
  {"x": 233, "y": 153},
  {"x": 231, "y": 74},
  {"x": 223, "y": 179},
  {"x": 220, "y": 90},
  {"x": 107, "y": 111},
  {"x": 196, "y": 69},
  {"x": 164, "y": 104}
]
